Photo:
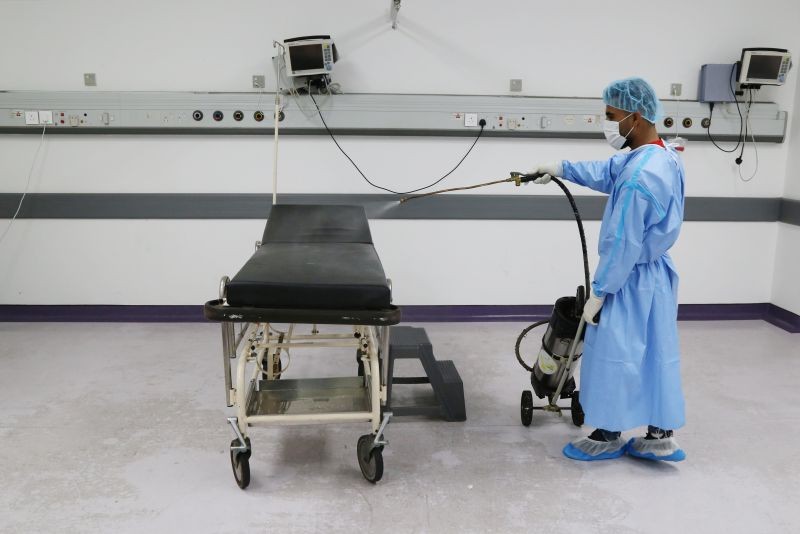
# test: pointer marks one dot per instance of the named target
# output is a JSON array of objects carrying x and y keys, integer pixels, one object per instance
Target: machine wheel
[
  {"x": 569, "y": 388},
  {"x": 370, "y": 460},
  {"x": 576, "y": 409},
  {"x": 526, "y": 408},
  {"x": 240, "y": 463}
]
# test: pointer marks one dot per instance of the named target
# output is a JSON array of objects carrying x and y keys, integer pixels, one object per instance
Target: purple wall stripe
[
  {"x": 783, "y": 319},
  {"x": 101, "y": 314}
]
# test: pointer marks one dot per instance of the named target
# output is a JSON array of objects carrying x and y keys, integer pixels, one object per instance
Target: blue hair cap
[{"x": 631, "y": 95}]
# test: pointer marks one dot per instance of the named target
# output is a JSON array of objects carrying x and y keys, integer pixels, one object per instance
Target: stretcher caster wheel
[
  {"x": 370, "y": 459},
  {"x": 526, "y": 408},
  {"x": 240, "y": 462},
  {"x": 576, "y": 409}
]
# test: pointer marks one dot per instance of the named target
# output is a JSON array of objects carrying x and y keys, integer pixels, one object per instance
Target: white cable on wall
[
  {"x": 27, "y": 185},
  {"x": 755, "y": 147}
]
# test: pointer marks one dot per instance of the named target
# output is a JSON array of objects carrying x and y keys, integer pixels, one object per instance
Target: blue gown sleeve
[
  {"x": 592, "y": 174},
  {"x": 624, "y": 238}
]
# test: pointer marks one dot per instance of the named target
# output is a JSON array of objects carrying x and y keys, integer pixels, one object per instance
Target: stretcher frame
[{"x": 260, "y": 396}]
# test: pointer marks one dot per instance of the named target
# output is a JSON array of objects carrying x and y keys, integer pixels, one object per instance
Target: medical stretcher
[{"x": 315, "y": 265}]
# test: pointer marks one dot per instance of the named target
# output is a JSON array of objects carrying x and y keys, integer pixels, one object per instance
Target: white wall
[
  {"x": 465, "y": 46},
  {"x": 786, "y": 290}
]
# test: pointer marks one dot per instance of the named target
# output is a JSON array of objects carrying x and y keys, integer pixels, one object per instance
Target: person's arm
[{"x": 592, "y": 174}]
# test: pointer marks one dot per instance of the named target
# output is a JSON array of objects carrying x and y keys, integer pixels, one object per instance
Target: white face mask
[{"x": 611, "y": 131}]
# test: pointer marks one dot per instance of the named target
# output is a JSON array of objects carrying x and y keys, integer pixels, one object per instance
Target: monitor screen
[
  {"x": 764, "y": 67},
  {"x": 306, "y": 57}
]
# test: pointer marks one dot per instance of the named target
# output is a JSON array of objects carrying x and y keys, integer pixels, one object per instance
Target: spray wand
[
  {"x": 520, "y": 178},
  {"x": 517, "y": 177}
]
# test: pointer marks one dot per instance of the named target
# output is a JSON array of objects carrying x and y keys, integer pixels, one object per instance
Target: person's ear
[{"x": 636, "y": 119}]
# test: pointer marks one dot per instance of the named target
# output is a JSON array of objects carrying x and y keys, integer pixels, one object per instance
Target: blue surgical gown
[{"x": 630, "y": 371}]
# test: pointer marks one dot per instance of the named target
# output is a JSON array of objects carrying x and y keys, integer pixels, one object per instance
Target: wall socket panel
[
  {"x": 358, "y": 114},
  {"x": 259, "y": 81}
]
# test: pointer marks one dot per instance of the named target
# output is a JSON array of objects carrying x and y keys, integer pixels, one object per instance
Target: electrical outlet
[
  {"x": 259, "y": 81},
  {"x": 515, "y": 86},
  {"x": 675, "y": 89},
  {"x": 45, "y": 117},
  {"x": 470, "y": 119},
  {"x": 90, "y": 79},
  {"x": 31, "y": 117}
]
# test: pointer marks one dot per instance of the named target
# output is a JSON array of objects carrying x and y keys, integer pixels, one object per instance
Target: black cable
[
  {"x": 384, "y": 188},
  {"x": 744, "y": 139},
  {"x": 741, "y": 119}
]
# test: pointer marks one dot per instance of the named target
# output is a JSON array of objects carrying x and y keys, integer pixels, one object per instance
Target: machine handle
[{"x": 570, "y": 358}]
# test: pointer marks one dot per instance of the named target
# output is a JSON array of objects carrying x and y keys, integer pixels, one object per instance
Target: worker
[{"x": 630, "y": 376}]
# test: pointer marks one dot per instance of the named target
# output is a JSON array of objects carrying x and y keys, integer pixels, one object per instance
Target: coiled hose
[{"x": 578, "y": 305}]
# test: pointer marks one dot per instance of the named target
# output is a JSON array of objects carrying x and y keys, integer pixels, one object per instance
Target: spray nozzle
[{"x": 523, "y": 178}]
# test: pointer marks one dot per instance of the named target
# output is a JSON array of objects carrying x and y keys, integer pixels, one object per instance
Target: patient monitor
[
  {"x": 305, "y": 63},
  {"x": 764, "y": 66},
  {"x": 310, "y": 56}
]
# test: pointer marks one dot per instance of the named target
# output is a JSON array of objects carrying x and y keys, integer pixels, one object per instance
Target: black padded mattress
[
  {"x": 313, "y": 257},
  {"x": 298, "y": 223}
]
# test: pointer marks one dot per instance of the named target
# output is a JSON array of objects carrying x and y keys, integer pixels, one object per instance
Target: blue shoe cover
[
  {"x": 665, "y": 449},
  {"x": 589, "y": 450}
]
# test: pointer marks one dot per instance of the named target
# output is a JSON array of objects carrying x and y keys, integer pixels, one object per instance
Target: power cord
[
  {"x": 745, "y": 127},
  {"x": 755, "y": 145},
  {"x": 27, "y": 185},
  {"x": 482, "y": 125},
  {"x": 741, "y": 119},
  {"x": 746, "y": 124}
]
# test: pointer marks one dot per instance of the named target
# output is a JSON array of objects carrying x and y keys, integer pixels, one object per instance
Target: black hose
[
  {"x": 587, "y": 287},
  {"x": 519, "y": 342},
  {"x": 578, "y": 220}
]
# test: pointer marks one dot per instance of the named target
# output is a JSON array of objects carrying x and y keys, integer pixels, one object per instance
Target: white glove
[
  {"x": 548, "y": 170},
  {"x": 591, "y": 308}
]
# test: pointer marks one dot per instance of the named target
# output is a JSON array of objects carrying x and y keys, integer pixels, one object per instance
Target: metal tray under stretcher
[{"x": 310, "y": 396}]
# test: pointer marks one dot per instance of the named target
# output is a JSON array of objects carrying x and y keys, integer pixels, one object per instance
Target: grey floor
[{"x": 121, "y": 428}]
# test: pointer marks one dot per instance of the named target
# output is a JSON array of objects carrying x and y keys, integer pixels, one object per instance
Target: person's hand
[
  {"x": 592, "y": 307},
  {"x": 547, "y": 171}
]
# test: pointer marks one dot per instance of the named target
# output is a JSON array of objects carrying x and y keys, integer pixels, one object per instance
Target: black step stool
[{"x": 413, "y": 343}]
